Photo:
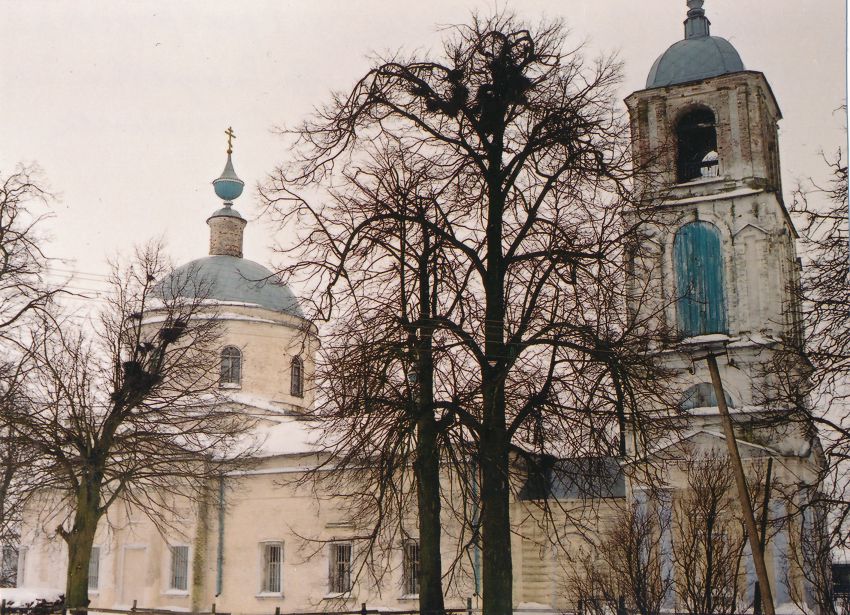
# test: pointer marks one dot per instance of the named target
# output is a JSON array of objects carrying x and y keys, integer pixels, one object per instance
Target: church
[{"x": 725, "y": 247}]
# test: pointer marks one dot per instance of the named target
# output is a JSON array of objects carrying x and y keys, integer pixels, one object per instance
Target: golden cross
[{"x": 230, "y": 136}]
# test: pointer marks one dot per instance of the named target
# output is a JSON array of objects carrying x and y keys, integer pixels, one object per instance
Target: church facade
[{"x": 724, "y": 247}]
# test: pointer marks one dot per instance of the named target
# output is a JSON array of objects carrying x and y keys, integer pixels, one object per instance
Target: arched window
[
  {"x": 702, "y": 396},
  {"x": 698, "y": 260},
  {"x": 231, "y": 367},
  {"x": 296, "y": 377},
  {"x": 696, "y": 151}
]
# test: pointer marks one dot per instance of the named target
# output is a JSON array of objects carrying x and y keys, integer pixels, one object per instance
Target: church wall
[{"x": 758, "y": 258}]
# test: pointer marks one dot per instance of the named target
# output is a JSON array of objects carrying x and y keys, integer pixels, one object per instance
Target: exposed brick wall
[
  {"x": 745, "y": 115},
  {"x": 226, "y": 236}
]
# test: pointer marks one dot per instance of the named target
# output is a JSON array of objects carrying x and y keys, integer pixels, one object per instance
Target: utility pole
[{"x": 741, "y": 483}]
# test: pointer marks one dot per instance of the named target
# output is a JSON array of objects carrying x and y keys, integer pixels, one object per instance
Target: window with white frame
[
  {"x": 179, "y": 580},
  {"x": 272, "y": 567},
  {"x": 94, "y": 569},
  {"x": 411, "y": 568},
  {"x": 340, "y": 568}
]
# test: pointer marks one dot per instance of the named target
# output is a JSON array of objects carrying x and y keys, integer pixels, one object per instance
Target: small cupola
[{"x": 226, "y": 224}]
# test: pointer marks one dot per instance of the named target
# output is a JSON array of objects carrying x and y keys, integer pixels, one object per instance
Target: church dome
[
  {"x": 698, "y": 56},
  {"x": 230, "y": 279},
  {"x": 225, "y": 276}
]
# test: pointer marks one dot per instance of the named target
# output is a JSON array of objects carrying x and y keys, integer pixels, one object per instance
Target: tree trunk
[
  {"x": 427, "y": 461},
  {"x": 497, "y": 568},
  {"x": 428, "y": 494},
  {"x": 80, "y": 540}
]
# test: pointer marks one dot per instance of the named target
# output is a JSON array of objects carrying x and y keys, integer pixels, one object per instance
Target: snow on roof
[
  {"x": 289, "y": 436},
  {"x": 255, "y": 401},
  {"x": 714, "y": 434},
  {"x": 729, "y": 194}
]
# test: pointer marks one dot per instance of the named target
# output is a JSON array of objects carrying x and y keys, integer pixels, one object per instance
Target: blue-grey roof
[
  {"x": 231, "y": 279},
  {"x": 563, "y": 479},
  {"x": 226, "y": 211},
  {"x": 693, "y": 59}
]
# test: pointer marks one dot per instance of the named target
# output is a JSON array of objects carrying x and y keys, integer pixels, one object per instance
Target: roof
[
  {"x": 698, "y": 56},
  {"x": 693, "y": 59},
  {"x": 232, "y": 280},
  {"x": 563, "y": 479},
  {"x": 226, "y": 211}
]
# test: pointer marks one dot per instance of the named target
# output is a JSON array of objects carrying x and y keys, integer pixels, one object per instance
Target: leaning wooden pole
[{"x": 743, "y": 493}]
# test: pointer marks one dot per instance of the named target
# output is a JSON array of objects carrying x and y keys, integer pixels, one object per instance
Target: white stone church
[{"x": 727, "y": 256}]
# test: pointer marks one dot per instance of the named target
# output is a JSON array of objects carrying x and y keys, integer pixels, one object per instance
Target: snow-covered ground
[{"x": 24, "y": 596}]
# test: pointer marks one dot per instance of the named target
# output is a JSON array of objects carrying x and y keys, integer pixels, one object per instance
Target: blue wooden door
[{"x": 698, "y": 258}]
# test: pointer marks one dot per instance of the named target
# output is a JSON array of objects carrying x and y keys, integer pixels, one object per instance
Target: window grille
[
  {"x": 340, "y": 570},
  {"x": 9, "y": 566},
  {"x": 296, "y": 378},
  {"x": 411, "y": 567},
  {"x": 231, "y": 366},
  {"x": 179, "y": 568},
  {"x": 272, "y": 566},
  {"x": 94, "y": 568}
]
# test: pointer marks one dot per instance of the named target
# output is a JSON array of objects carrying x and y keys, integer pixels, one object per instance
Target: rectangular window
[
  {"x": 340, "y": 568},
  {"x": 272, "y": 567},
  {"x": 411, "y": 568},
  {"x": 94, "y": 568},
  {"x": 179, "y": 568},
  {"x": 9, "y": 566},
  {"x": 22, "y": 567}
]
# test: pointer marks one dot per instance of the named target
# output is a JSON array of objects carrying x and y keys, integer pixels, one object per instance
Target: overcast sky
[{"x": 124, "y": 104}]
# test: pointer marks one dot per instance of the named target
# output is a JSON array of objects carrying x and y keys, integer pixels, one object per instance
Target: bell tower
[{"x": 722, "y": 251}]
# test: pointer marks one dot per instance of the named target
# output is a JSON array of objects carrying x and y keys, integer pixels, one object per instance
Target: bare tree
[
  {"x": 624, "y": 571},
  {"x": 23, "y": 288},
  {"x": 24, "y": 293},
  {"x": 533, "y": 171},
  {"x": 128, "y": 412},
  {"x": 810, "y": 553},
  {"x": 824, "y": 298},
  {"x": 807, "y": 379},
  {"x": 384, "y": 367},
  {"x": 710, "y": 536}
]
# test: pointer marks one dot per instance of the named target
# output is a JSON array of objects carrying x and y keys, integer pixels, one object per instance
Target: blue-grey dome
[
  {"x": 698, "y": 56},
  {"x": 233, "y": 280},
  {"x": 693, "y": 59}
]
